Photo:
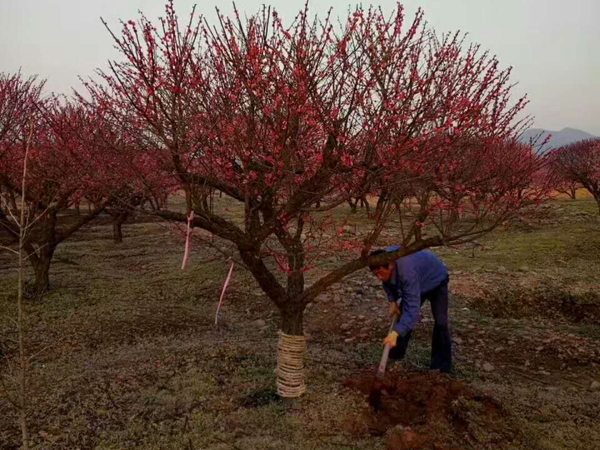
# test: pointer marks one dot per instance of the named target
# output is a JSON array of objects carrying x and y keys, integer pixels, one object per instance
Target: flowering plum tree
[
  {"x": 579, "y": 164},
  {"x": 562, "y": 183},
  {"x": 128, "y": 176},
  {"x": 282, "y": 119},
  {"x": 60, "y": 170},
  {"x": 17, "y": 105}
]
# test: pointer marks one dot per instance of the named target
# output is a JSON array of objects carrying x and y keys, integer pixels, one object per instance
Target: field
[{"x": 125, "y": 352}]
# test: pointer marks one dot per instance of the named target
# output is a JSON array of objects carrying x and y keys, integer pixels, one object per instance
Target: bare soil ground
[
  {"x": 125, "y": 353},
  {"x": 428, "y": 410}
]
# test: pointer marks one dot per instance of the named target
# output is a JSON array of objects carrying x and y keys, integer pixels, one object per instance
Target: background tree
[
  {"x": 18, "y": 97},
  {"x": 280, "y": 119},
  {"x": 578, "y": 164},
  {"x": 131, "y": 171},
  {"x": 61, "y": 169},
  {"x": 120, "y": 212},
  {"x": 567, "y": 187}
]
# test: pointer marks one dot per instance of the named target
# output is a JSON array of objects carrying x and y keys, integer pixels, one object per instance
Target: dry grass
[{"x": 129, "y": 356}]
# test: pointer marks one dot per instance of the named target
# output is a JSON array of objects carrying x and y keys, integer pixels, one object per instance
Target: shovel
[{"x": 375, "y": 394}]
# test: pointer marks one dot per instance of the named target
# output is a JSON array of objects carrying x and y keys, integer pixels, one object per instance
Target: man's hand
[
  {"x": 391, "y": 339},
  {"x": 394, "y": 310}
]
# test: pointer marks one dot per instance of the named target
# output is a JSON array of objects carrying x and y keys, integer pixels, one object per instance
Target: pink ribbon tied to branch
[
  {"x": 224, "y": 289},
  {"x": 187, "y": 239}
]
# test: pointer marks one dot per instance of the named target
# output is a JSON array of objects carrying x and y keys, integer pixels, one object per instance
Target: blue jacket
[{"x": 412, "y": 276}]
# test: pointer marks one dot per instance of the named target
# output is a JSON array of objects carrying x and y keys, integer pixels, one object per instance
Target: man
[{"x": 408, "y": 282}]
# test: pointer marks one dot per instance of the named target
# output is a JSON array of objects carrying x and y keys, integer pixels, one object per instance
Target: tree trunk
[
  {"x": 573, "y": 192},
  {"x": 118, "y": 222},
  {"x": 8, "y": 232},
  {"x": 117, "y": 232},
  {"x": 352, "y": 206},
  {"x": 41, "y": 267},
  {"x": 292, "y": 320},
  {"x": 364, "y": 203},
  {"x": 290, "y": 356}
]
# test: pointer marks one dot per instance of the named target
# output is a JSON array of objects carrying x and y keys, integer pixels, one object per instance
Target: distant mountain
[{"x": 558, "y": 139}]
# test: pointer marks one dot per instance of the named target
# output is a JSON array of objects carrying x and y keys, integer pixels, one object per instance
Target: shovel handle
[
  {"x": 384, "y": 360},
  {"x": 386, "y": 351},
  {"x": 394, "y": 320}
]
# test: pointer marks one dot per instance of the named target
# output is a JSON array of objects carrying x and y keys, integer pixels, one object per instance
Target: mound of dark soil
[{"x": 431, "y": 411}]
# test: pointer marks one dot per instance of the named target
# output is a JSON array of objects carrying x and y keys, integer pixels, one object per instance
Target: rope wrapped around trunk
[{"x": 290, "y": 366}]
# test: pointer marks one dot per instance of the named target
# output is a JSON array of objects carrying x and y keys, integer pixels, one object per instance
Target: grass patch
[
  {"x": 568, "y": 248},
  {"x": 127, "y": 354},
  {"x": 548, "y": 300},
  {"x": 260, "y": 397}
]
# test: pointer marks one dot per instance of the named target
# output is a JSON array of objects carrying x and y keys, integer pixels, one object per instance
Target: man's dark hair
[{"x": 377, "y": 266}]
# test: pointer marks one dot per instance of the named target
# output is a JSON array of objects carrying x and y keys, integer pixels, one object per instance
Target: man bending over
[{"x": 408, "y": 282}]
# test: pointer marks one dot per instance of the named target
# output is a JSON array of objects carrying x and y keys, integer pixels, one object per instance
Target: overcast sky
[{"x": 553, "y": 45}]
